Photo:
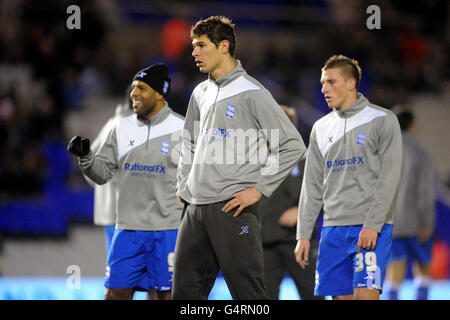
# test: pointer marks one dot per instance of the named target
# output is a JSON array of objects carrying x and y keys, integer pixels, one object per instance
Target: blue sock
[
  {"x": 392, "y": 294},
  {"x": 422, "y": 293}
]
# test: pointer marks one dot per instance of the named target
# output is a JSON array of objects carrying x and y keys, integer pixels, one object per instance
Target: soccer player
[
  {"x": 230, "y": 121},
  {"x": 414, "y": 218},
  {"x": 353, "y": 170},
  {"x": 105, "y": 194},
  {"x": 279, "y": 219},
  {"x": 142, "y": 151}
]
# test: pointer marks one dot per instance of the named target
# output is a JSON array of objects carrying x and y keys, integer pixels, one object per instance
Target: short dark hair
[
  {"x": 405, "y": 119},
  {"x": 217, "y": 29},
  {"x": 349, "y": 67}
]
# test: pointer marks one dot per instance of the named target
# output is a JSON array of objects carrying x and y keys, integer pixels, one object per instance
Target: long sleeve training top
[
  {"x": 231, "y": 124},
  {"x": 352, "y": 170},
  {"x": 144, "y": 158}
]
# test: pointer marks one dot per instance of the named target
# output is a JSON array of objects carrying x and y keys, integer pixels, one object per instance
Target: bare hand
[
  {"x": 180, "y": 198},
  {"x": 367, "y": 239},
  {"x": 242, "y": 199},
  {"x": 289, "y": 217},
  {"x": 424, "y": 234},
  {"x": 301, "y": 252}
]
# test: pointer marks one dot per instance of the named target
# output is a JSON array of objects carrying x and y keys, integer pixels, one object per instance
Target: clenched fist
[{"x": 79, "y": 146}]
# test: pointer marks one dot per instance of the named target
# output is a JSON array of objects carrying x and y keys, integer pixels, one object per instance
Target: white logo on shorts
[
  {"x": 170, "y": 260},
  {"x": 108, "y": 271}
]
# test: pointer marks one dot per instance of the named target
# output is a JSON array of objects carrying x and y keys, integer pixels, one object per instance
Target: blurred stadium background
[{"x": 56, "y": 82}]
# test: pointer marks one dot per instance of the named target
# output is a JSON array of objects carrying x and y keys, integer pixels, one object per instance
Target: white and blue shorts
[
  {"x": 141, "y": 260},
  {"x": 340, "y": 268}
]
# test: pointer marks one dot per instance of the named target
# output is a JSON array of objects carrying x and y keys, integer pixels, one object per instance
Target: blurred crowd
[{"x": 46, "y": 70}]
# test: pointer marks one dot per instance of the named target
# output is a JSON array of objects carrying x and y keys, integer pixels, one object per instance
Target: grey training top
[
  {"x": 352, "y": 169},
  {"x": 105, "y": 194},
  {"x": 144, "y": 157},
  {"x": 229, "y": 125},
  {"x": 416, "y": 197}
]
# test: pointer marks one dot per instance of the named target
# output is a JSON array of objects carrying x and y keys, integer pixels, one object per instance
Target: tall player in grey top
[
  {"x": 142, "y": 151},
  {"x": 230, "y": 121},
  {"x": 353, "y": 171}
]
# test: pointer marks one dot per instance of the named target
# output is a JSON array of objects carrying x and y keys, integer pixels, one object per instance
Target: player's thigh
[
  {"x": 396, "y": 270},
  {"x": 397, "y": 263},
  {"x": 160, "y": 259},
  {"x": 195, "y": 265},
  {"x": 119, "y": 294},
  {"x": 126, "y": 261},
  {"x": 421, "y": 252},
  {"x": 237, "y": 241},
  {"x": 192, "y": 246},
  {"x": 334, "y": 271},
  {"x": 366, "y": 294},
  {"x": 153, "y": 294},
  {"x": 370, "y": 265}
]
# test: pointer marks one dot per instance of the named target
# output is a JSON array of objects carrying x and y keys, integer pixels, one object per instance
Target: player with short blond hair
[{"x": 352, "y": 170}]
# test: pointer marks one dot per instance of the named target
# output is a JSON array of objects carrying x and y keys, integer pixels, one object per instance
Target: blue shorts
[
  {"x": 141, "y": 260},
  {"x": 340, "y": 268},
  {"x": 403, "y": 248}
]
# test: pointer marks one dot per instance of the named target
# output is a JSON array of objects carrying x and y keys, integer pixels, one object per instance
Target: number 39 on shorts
[{"x": 369, "y": 258}]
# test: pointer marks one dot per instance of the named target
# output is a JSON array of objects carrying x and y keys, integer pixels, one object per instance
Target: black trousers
[
  {"x": 279, "y": 259},
  {"x": 210, "y": 240}
]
